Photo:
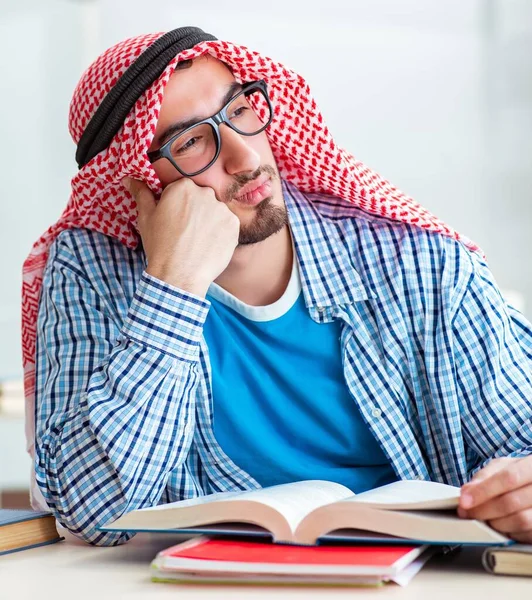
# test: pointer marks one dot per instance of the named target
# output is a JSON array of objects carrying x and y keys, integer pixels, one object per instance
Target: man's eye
[
  {"x": 188, "y": 145},
  {"x": 238, "y": 112}
]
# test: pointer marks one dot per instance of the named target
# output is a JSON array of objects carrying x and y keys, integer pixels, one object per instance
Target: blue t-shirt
[{"x": 282, "y": 409}]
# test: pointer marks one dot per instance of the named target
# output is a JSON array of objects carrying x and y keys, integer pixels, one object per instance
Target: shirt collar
[{"x": 328, "y": 276}]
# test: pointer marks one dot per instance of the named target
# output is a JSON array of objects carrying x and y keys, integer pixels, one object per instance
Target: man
[{"x": 268, "y": 328}]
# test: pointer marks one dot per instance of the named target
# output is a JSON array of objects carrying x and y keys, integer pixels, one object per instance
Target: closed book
[
  {"x": 310, "y": 512},
  {"x": 207, "y": 560},
  {"x": 514, "y": 560},
  {"x": 23, "y": 529}
]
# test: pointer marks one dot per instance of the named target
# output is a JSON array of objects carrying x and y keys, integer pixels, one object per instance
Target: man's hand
[
  {"x": 501, "y": 494},
  {"x": 189, "y": 236}
]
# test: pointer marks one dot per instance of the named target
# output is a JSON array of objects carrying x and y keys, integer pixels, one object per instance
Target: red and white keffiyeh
[{"x": 305, "y": 152}]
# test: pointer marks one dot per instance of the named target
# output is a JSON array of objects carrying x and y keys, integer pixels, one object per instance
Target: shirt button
[
  {"x": 321, "y": 309},
  {"x": 376, "y": 412}
]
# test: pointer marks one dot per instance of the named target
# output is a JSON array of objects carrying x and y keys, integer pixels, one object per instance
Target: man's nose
[{"x": 237, "y": 154}]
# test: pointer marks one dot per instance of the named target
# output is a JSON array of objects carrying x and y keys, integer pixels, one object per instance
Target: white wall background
[{"x": 436, "y": 96}]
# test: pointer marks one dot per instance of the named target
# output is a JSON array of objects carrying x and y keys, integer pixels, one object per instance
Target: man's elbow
[{"x": 94, "y": 537}]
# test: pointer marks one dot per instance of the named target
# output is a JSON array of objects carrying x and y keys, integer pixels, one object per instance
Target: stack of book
[
  {"x": 215, "y": 561},
  {"x": 390, "y": 530}
]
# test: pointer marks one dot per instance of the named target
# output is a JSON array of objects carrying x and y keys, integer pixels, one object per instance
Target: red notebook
[
  {"x": 221, "y": 559},
  {"x": 253, "y": 552}
]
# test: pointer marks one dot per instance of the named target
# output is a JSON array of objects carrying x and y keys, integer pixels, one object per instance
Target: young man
[{"x": 268, "y": 328}]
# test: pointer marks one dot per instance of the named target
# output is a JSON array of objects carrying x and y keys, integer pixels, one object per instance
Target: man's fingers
[
  {"x": 490, "y": 469},
  {"x": 515, "y": 474},
  {"x": 502, "y": 506},
  {"x": 517, "y": 523},
  {"x": 142, "y": 195},
  {"x": 523, "y": 537}
]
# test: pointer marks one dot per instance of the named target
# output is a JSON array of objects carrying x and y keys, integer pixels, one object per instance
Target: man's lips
[{"x": 255, "y": 191}]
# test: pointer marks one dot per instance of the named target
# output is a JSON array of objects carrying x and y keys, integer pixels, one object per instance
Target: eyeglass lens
[{"x": 196, "y": 148}]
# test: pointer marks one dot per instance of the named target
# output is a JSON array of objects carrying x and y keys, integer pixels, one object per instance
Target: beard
[{"x": 268, "y": 218}]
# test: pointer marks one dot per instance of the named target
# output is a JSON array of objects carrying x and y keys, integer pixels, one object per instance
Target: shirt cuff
[{"x": 166, "y": 318}]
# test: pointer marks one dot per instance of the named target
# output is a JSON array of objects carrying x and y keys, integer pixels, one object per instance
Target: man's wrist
[{"x": 192, "y": 285}]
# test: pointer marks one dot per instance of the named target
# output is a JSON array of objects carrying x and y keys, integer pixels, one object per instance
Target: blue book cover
[
  {"x": 341, "y": 536},
  {"x": 10, "y": 516}
]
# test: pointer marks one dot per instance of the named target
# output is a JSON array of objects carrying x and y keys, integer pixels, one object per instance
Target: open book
[{"x": 307, "y": 511}]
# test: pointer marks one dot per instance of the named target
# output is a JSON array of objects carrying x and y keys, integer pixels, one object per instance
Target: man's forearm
[
  {"x": 134, "y": 422},
  {"x": 115, "y": 452}
]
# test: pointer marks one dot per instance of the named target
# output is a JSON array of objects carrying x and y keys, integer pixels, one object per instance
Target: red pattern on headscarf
[{"x": 305, "y": 152}]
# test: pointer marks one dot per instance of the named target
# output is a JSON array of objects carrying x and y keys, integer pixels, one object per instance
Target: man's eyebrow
[{"x": 233, "y": 88}]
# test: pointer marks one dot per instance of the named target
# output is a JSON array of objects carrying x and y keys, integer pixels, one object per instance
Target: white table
[{"x": 72, "y": 570}]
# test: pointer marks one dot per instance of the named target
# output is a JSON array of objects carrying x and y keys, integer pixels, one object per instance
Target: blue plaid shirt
[{"x": 438, "y": 364}]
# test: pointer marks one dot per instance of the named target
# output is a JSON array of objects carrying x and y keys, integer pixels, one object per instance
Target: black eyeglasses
[{"x": 196, "y": 148}]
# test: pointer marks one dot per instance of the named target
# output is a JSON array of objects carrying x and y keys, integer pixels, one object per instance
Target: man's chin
[{"x": 267, "y": 221}]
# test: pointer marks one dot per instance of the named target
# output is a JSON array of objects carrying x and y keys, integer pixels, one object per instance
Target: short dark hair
[{"x": 185, "y": 64}]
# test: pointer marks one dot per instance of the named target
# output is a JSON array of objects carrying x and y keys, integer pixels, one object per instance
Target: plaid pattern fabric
[{"x": 438, "y": 364}]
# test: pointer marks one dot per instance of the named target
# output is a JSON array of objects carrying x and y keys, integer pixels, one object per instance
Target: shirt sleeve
[
  {"x": 114, "y": 399},
  {"x": 492, "y": 345}
]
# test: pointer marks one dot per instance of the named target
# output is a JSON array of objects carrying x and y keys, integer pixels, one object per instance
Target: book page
[
  {"x": 295, "y": 500},
  {"x": 410, "y": 495},
  {"x": 292, "y": 500},
  {"x": 208, "y": 499}
]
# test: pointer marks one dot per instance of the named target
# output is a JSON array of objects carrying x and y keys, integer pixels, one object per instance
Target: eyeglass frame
[{"x": 215, "y": 121}]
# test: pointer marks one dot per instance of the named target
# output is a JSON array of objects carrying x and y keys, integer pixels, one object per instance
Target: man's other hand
[{"x": 501, "y": 494}]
